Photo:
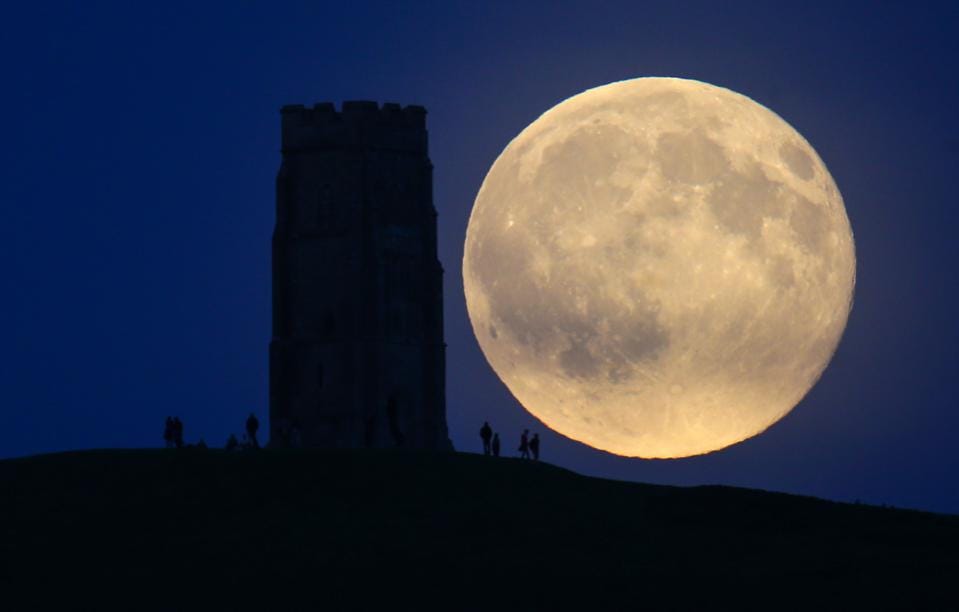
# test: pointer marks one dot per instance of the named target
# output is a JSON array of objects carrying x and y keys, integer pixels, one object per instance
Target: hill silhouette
[{"x": 397, "y": 530}]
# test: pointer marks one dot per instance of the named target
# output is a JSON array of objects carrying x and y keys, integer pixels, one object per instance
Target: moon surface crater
[{"x": 659, "y": 267}]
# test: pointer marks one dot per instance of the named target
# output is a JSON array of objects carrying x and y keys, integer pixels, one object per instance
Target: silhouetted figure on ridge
[
  {"x": 524, "y": 445},
  {"x": 295, "y": 440},
  {"x": 252, "y": 425},
  {"x": 168, "y": 432},
  {"x": 177, "y": 432},
  {"x": 231, "y": 443},
  {"x": 534, "y": 446},
  {"x": 486, "y": 433},
  {"x": 495, "y": 445}
]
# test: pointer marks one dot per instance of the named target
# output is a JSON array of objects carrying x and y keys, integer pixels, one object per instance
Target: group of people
[
  {"x": 173, "y": 432},
  {"x": 173, "y": 438},
  {"x": 173, "y": 435},
  {"x": 528, "y": 447}
]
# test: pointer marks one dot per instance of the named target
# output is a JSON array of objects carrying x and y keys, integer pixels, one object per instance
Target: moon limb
[{"x": 658, "y": 267}]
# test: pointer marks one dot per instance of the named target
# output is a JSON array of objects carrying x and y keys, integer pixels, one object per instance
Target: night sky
[{"x": 140, "y": 144}]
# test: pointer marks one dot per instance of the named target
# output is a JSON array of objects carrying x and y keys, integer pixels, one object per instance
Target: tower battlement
[{"x": 358, "y": 125}]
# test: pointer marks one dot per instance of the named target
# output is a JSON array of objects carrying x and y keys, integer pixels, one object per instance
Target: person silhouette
[
  {"x": 486, "y": 433},
  {"x": 524, "y": 445},
  {"x": 252, "y": 425},
  {"x": 177, "y": 432},
  {"x": 231, "y": 443},
  {"x": 168, "y": 432},
  {"x": 495, "y": 445},
  {"x": 534, "y": 446}
]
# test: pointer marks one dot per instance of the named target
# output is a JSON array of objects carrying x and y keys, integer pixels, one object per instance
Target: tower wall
[{"x": 357, "y": 357}]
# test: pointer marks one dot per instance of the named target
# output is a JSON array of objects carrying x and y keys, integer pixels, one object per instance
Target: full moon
[{"x": 659, "y": 267}]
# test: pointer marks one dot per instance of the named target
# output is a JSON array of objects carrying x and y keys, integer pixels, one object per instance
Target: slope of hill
[{"x": 280, "y": 530}]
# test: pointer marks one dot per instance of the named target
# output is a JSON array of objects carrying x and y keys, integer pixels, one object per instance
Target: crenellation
[
  {"x": 324, "y": 109},
  {"x": 389, "y": 114},
  {"x": 360, "y": 108},
  {"x": 359, "y": 124}
]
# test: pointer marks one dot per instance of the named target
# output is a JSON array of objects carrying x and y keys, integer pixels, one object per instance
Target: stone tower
[{"x": 357, "y": 357}]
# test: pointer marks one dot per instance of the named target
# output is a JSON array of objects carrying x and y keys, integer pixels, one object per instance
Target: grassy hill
[{"x": 291, "y": 530}]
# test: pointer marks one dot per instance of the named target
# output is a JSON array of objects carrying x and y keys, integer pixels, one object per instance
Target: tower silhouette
[{"x": 357, "y": 356}]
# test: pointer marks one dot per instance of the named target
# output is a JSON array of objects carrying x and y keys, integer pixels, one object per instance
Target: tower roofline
[
  {"x": 358, "y": 109},
  {"x": 358, "y": 123}
]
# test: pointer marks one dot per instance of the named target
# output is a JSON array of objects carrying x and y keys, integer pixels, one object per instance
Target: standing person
[
  {"x": 252, "y": 425},
  {"x": 496, "y": 445},
  {"x": 486, "y": 433},
  {"x": 177, "y": 432},
  {"x": 534, "y": 446},
  {"x": 524, "y": 445},
  {"x": 168, "y": 433}
]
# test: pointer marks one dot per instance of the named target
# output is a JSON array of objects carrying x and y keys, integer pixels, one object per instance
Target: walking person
[
  {"x": 486, "y": 433},
  {"x": 168, "y": 433},
  {"x": 177, "y": 432},
  {"x": 534, "y": 447},
  {"x": 252, "y": 425},
  {"x": 495, "y": 445},
  {"x": 524, "y": 445}
]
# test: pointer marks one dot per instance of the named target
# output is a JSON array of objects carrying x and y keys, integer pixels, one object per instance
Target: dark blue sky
[{"x": 140, "y": 144}]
